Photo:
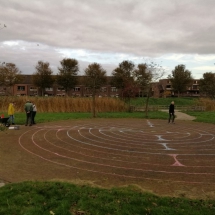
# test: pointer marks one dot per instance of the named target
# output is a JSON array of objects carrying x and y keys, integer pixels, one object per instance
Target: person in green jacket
[
  {"x": 11, "y": 111},
  {"x": 28, "y": 110}
]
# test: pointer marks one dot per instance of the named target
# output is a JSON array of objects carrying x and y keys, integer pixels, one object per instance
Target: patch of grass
[
  {"x": 3, "y": 127},
  {"x": 151, "y": 115},
  {"x": 50, "y": 117},
  {"x": 56, "y": 198},
  {"x": 164, "y": 101},
  {"x": 203, "y": 116}
]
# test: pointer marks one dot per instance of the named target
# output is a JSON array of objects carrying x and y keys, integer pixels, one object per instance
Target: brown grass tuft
[
  {"x": 64, "y": 104},
  {"x": 209, "y": 104}
]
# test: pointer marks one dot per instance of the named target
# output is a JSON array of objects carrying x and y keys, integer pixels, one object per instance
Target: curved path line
[{"x": 79, "y": 129}]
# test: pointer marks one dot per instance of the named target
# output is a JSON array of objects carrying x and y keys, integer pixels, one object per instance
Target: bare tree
[
  {"x": 95, "y": 78},
  {"x": 129, "y": 91},
  {"x": 145, "y": 75}
]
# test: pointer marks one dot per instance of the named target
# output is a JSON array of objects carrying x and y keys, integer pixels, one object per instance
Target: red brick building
[
  {"x": 160, "y": 89},
  {"x": 26, "y": 88}
]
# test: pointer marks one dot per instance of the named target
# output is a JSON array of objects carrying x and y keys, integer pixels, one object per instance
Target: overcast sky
[{"x": 167, "y": 32}]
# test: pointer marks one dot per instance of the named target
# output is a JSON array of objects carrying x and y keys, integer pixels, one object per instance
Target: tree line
[{"x": 126, "y": 76}]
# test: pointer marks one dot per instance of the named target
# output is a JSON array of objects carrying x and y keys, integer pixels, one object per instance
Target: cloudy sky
[{"x": 168, "y": 32}]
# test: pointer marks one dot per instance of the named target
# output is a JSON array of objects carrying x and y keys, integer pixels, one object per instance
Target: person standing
[
  {"x": 28, "y": 110},
  {"x": 172, "y": 112},
  {"x": 11, "y": 111},
  {"x": 34, "y": 112}
]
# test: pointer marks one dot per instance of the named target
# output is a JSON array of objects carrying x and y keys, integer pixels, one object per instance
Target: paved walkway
[{"x": 182, "y": 116}]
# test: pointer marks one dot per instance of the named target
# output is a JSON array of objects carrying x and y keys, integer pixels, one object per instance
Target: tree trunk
[
  {"x": 129, "y": 103},
  {"x": 94, "y": 103},
  {"x": 147, "y": 104}
]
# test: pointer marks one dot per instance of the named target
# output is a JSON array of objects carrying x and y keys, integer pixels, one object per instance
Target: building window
[
  {"x": 20, "y": 88},
  {"x": 195, "y": 87},
  {"x": 114, "y": 89},
  {"x": 49, "y": 89},
  {"x": 60, "y": 89},
  {"x": 103, "y": 89},
  {"x": 33, "y": 89},
  {"x": 87, "y": 89},
  {"x": 76, "y": 89}
]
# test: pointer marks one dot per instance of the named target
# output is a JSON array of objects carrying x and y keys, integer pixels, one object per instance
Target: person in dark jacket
[
  {"x": 172, "y": 112},
  {"x": 28, "y": 110}
]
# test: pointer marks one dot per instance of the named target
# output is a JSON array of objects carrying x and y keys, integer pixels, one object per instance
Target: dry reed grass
[
  {"x": 64, "y": 104},
  {"x": 209, "y": 104}
]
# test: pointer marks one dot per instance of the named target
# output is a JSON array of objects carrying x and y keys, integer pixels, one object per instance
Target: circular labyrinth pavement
[{"x": 146, "y": 150}]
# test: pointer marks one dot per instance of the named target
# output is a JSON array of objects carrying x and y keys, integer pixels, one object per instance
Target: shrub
[{"x": 209, "y": 104}]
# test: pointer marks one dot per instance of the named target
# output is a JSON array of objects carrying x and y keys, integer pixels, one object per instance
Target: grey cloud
[{"x": 136, "y": 27}]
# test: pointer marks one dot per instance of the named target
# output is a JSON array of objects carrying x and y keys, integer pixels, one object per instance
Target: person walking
[
  {"x": 28, "y": 110},
  {"x": 172, "y": 112},
  {"x": 34, "y": 112},
  {"x": 11, "y": 111}
]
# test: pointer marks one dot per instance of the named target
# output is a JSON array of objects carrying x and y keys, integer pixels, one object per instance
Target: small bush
[{"x": 3, "y": 127}]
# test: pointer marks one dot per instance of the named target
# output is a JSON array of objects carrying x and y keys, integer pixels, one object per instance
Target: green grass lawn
[
  {"x": 57, "y": 198},
  {"x": 50, "y": 117},
  {"x": 203, "y": 116}
]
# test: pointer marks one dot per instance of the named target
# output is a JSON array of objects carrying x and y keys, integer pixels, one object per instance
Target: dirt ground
[{"x": 166, "y": 159}]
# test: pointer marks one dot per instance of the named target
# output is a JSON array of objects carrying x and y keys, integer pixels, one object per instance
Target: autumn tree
[
  {"x": 2, "y": 75},
  {"x": 122, "y": 76},
  {"x": 207, "y": 84},
  {"x": 180, "y": 79},
  {"x": 9, "y": 75},
  {"x": 95, "y": 78},
  {"x": 67, "y": 76},
  {"x": 143, "y": 77},
  {"x": 42, "y": 78},
  {"x": 130, "y": 90}
]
